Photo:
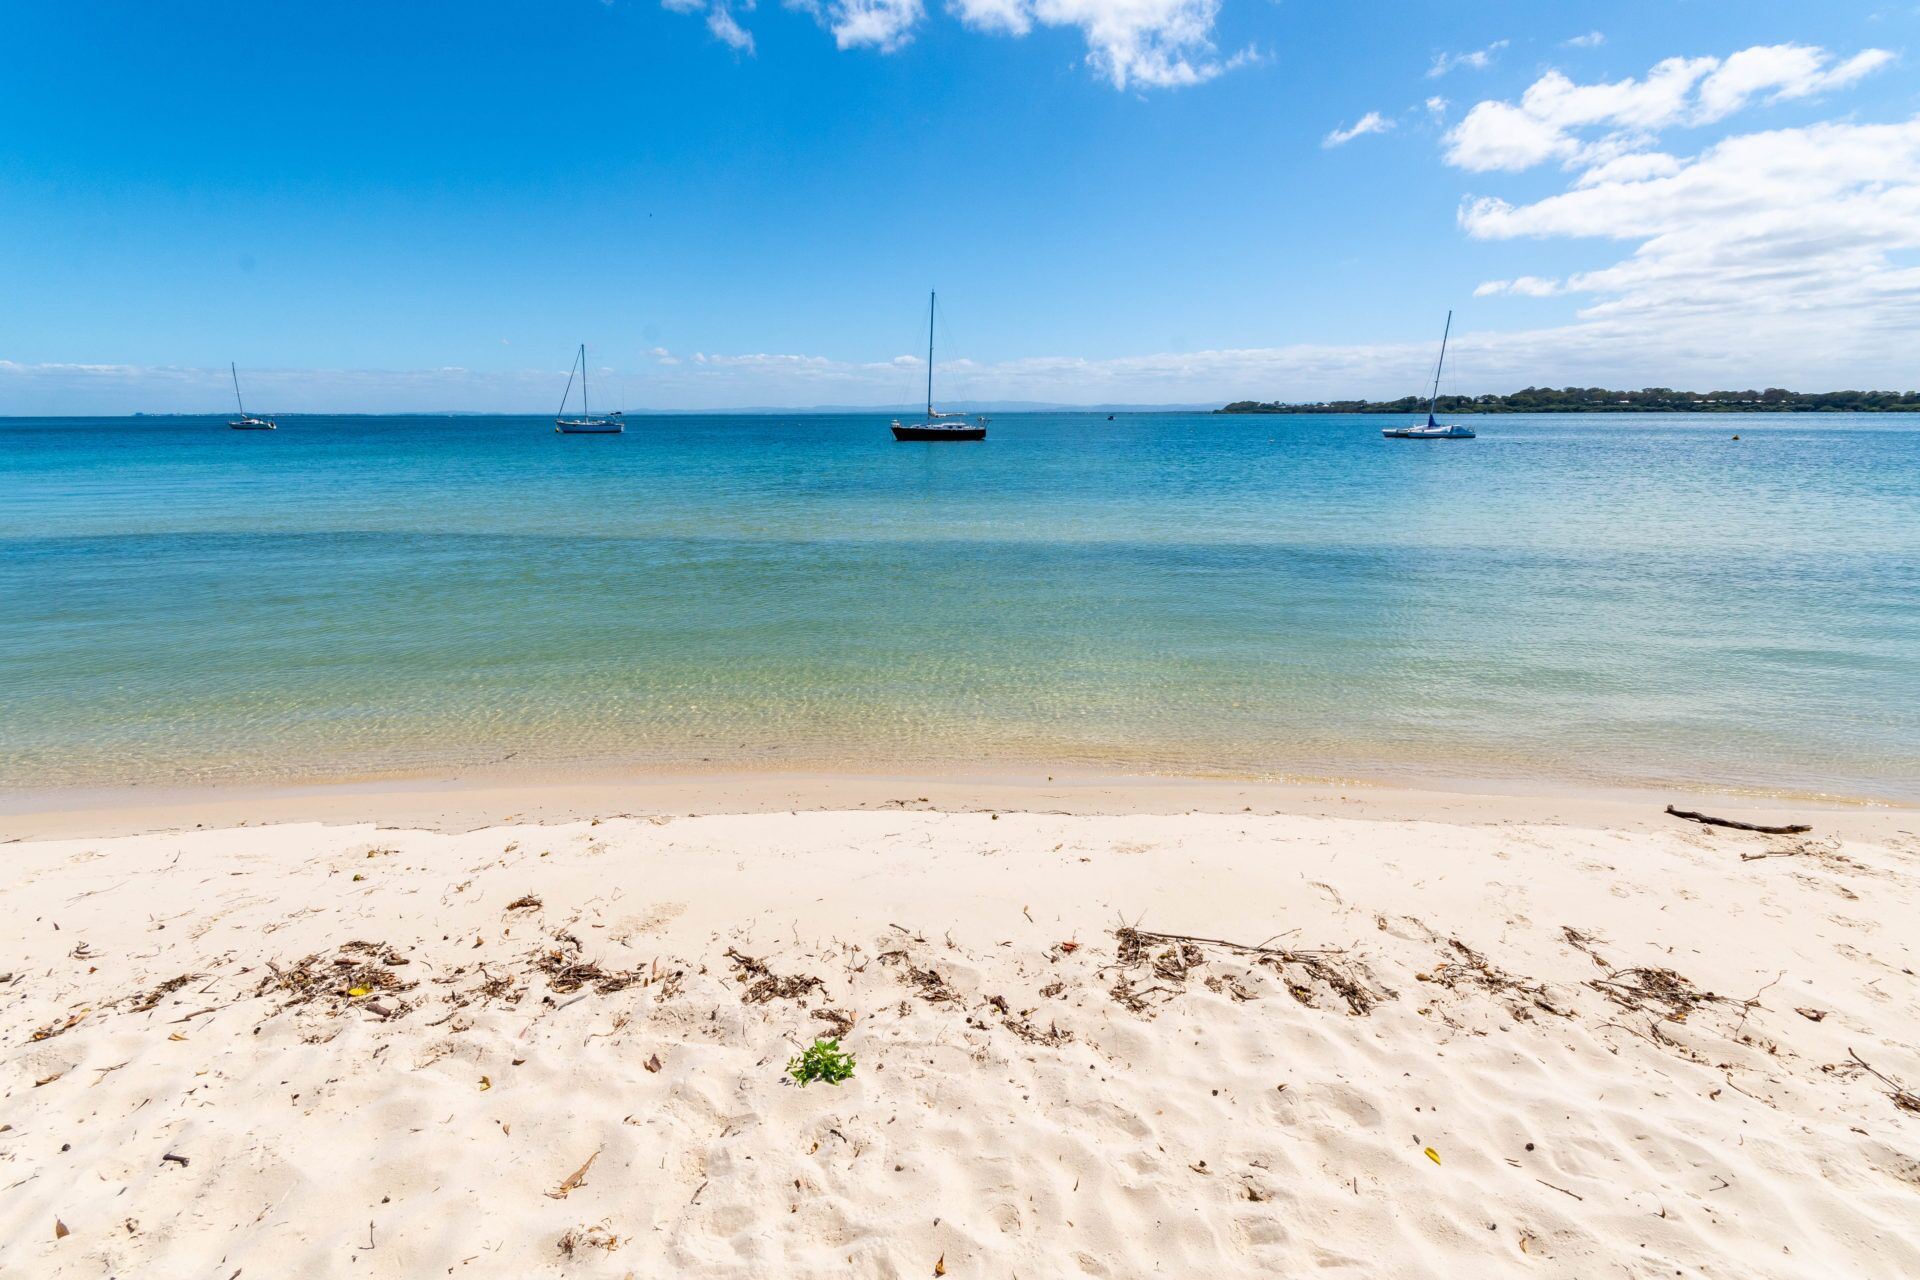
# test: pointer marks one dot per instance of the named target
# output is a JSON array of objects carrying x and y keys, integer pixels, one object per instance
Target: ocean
[{"x": 1589, "y": 601}]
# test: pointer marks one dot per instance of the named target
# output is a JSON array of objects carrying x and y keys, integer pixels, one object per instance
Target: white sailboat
[
  {"x": 932, "y": 427},
  {"x": 245, "y": 422},
  {"x": 586, "y": 424},
  {"x": 1433, "y": 430}
]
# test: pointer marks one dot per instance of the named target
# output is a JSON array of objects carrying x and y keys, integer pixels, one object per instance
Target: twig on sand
[
  {"x": 1792, "y": 829},
  {"x": 1902, "y": 1099},
  {"x": 1562, "y": 1190}
]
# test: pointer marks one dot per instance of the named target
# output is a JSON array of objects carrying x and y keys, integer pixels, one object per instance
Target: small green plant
[{"x": 822, "y": 1061}]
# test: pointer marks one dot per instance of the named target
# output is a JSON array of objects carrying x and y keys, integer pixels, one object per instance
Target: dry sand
[{"x": 1487, "y": 1037}]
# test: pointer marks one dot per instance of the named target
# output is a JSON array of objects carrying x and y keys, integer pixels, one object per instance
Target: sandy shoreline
[
  {"x": 1628, "y": 1040},
  {"x": 478, "y": 798}
]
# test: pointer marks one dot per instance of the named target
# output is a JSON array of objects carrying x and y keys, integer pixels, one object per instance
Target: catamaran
[
  {"x": 586, "y": 424},
  {"x": 932, "y": 428},
  {"x": 1433, "y": 430},
  {"x": 244, "y": 422}
]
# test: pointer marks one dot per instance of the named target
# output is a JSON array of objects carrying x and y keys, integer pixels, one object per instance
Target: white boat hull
[{"x": 1453, "y": 432}]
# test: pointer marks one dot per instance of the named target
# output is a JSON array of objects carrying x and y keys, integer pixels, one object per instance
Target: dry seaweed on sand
[
  {"x": 762, "y": 984},
  {"x": 1227, "y": 985},
  {"x": 1468, "y": 968},
  {"x": 1177, "y": 961},
  {"x": 1021, "y": 1024},
  {"x": 1662, "y": 990},
  {"x": 1053, "y": 1037},
  {"x": 146, "y": 1002},
  {"x": 566, "y": 970},
  {"x": 1304, "y": 972},
  {"x": 599, "y": 1236},
  {"x": 927, "y": 983},
  {"x": 839, "y": 1020},
  {"x": 335, "y": 980}
]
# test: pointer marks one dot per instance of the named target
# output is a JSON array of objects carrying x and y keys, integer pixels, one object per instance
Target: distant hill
[{"x": 1600, "y": 400}]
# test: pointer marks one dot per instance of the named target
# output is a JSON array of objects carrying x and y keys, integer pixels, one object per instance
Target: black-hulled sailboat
[
  {"x": 246, "y": 422},
  {"x": 933, "y": 428},
  {"x": 586, "y": 424}
]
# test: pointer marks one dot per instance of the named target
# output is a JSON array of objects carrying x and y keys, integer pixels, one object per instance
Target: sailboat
[
  {"x": 244, "y": 422},
  {"x": 1433, "y": 430},
  {"x": 932, "y": 428},
  {"x": 586, "y": 424}
]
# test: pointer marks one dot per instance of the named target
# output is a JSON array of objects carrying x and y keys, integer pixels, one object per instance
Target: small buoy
[{"x": 1736, "y": 437}]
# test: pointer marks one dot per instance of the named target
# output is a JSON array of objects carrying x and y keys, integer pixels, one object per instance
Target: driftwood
[{"x": 1794, "y": 829}]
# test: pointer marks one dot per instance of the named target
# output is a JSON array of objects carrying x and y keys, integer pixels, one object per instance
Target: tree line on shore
[{"x": 1601, "y": 400}]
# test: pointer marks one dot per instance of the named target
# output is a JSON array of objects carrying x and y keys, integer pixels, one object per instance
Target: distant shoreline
[{"x": 1600, "y": 400}]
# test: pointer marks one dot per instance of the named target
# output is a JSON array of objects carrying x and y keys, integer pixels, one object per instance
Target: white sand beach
[{"x": 1414, "y": 1035}]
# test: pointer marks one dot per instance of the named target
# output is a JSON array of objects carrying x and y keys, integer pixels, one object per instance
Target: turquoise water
[{"x": 1585, "y": 600}]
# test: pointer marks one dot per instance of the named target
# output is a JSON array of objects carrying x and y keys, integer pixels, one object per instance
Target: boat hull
[
  {"x": 939, "y": 433},
  {"x": 586, "y": 429},
  {"x": 252, "y": 426},
  {"x": 1426, "y": 433}
]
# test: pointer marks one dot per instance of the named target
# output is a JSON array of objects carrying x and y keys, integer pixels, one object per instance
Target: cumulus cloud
[
  {"x": 1774, "y": 238},
  {"x": 1478, "y": 60},
  {"x": 1577, "y": 124},
  {"x": 1372, "y": 122},
  {"x": 885, "y": 25},
  {"x": 1591, "y": 40},
  {"x": 1151, "y": 43},
  {"x": 1791, "y": 245},
  {"x": 1794, "y": 220}
]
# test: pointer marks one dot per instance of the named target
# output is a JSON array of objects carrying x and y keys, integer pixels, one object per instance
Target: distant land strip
[{"x": 1600, "y": 400}]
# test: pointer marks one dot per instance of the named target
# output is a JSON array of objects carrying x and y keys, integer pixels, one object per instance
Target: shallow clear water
[{"x": 1590, "y": 600}]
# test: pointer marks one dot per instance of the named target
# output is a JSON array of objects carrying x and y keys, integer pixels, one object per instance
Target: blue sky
[{"x": 425, "y": 205}]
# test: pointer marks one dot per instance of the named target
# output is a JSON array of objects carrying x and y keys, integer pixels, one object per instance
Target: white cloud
[
  {"x": 1003, "y": 17},
  {"x": 1791, "y": 245},
  {"x": 1478, "y": 60},
  {"x": 885, "y": 25},
  {"x": 1793, "y": 241},
  {"x": 1153, "y": 44},
  {"x": 721, "y": 22},
  {"x": 1591, "y": 40},
  {"x": 1436, "y": 106},
  {"x": 1547, "y": 123},
  {"x": 1521, "y": 286},
  {"x": 1372, "y": 122}
]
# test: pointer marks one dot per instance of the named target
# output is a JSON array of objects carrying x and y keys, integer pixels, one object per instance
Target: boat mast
[
  {"x": 235, "y": 371},
  {"x": 588, "y": 413},
  {"x": 930, "y": 355},
  {"x": 1435, "y": 397}
]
